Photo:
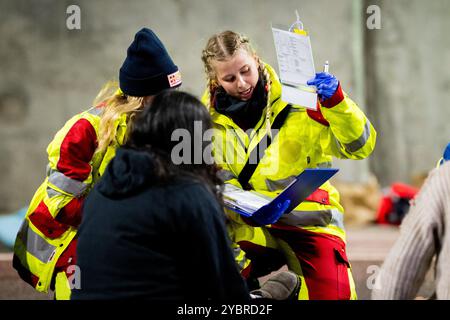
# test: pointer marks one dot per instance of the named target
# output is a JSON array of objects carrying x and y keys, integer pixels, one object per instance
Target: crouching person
[{"x": 153, "y": 228}]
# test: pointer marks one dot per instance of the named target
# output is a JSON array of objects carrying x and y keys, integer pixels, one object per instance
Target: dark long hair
[{"x": 153, "y": 129}]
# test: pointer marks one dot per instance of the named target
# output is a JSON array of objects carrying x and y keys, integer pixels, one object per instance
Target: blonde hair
[
  {"x": 223, "y": 46},
  {"x": 116, "y": 103}
]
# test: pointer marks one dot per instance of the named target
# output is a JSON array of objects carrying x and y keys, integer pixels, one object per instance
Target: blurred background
[{"x": 392, "y": 58}]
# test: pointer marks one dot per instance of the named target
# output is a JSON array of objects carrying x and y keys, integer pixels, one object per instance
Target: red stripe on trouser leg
[
  {"x": 323, "y": 261},
  {"x": 263, "y": 260}
]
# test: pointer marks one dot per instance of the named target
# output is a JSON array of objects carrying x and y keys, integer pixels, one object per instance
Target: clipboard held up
[{"x": 296, "y": 64}]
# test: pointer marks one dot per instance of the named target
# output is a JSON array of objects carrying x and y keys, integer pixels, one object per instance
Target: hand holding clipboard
[{"x": 249, "y": 204}]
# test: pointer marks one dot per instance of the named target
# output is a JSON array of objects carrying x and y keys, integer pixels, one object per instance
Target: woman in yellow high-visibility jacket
[
  {"x": 244, "y": 99},
  {"x": 45, "y": 247}
]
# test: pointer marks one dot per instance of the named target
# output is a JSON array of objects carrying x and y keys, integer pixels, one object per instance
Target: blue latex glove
[
  {"x": 267, "y": 216},
  {"x": 446, "y": 155},
  {"x": 325, "y": 83}
]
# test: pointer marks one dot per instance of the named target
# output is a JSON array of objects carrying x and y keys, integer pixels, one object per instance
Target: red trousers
[{"x": 322, "y": 259}]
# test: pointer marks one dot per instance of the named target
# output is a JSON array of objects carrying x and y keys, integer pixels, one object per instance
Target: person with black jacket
[{"x": 155, "y": 230}]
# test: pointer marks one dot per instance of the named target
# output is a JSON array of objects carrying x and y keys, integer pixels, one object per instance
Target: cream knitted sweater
[{"x": 423, "y": 234}]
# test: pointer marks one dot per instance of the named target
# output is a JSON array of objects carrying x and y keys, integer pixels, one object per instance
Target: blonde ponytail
[
  {"x": 266, "y": 76},
  {"x": 115, "y": 105}
]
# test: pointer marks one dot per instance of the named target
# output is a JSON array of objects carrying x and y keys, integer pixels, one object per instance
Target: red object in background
[{"x": 394, "y": 205}]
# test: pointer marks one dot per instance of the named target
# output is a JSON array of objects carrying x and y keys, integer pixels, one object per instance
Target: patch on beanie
[{"x": 174, "y": 79}]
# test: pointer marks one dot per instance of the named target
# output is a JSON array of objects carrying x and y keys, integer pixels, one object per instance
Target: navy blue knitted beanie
[{"x": 148, "y": 68}]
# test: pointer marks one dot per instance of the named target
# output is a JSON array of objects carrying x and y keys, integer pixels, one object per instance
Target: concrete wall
[
  {"x": 408, "y": 86},
  {"x": 50, "y": 73}
]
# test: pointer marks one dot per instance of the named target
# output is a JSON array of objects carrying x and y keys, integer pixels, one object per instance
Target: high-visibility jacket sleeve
[
  {"x": 353, "y": 136},
  {"x": 69, "y": 176}
]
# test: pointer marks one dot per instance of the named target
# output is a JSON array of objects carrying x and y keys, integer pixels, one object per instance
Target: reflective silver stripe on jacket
[
  {"x": 71, "y": 186},
  {"x": 96, "y": 111},
  {"x": 339, "y": 147},
  {"x": 276, "y": 185},
  {"x": 320, "y": 218},
  {"x": 361, "y": 141},
  {"x": 52, "y": 192},
  {"x": 225, "y": 175},
  {"x": 234, "y": 133},
  {"x": 241, "y": 262},
  {"x": 34, "y": 244}
]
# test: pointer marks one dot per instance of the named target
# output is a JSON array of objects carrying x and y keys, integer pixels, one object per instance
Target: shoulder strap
[{"x": 258, "y": 151}]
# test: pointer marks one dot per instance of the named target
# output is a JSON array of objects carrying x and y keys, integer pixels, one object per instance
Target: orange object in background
[{"x": 394, "y": 204}]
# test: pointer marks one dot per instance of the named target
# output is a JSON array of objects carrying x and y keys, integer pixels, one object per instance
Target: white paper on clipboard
[{"x": 296, "y": 67}]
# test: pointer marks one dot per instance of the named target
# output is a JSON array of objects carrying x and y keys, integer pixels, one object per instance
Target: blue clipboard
[{"x": 298, "y": 190}]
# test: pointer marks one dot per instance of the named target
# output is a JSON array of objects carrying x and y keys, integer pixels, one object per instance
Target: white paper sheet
[
  {"x": 248, "y": 201},
  {"x": 299, "y": 97},
  {"x": 296, "y": 67}
]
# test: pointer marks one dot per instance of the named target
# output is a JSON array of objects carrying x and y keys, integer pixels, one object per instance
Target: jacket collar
[{"x": 275, "y": 95}]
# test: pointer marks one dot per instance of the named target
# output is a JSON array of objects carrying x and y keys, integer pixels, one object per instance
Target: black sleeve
[{"x": 210, "y": 260}]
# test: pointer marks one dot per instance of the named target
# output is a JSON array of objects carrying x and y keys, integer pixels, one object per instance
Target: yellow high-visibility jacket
[
  {"x": 54, "y": 212},
  {"x": 307, "y": 139}
]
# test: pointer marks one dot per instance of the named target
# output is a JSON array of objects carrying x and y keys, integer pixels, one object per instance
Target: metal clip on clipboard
[{"x": 297, "y": 26}]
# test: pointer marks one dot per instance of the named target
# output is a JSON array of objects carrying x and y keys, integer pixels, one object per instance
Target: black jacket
[{"x": 142, "y": 240}]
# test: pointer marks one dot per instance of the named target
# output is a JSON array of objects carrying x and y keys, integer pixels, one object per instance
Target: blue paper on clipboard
[{"x": 297, "y": 191}]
